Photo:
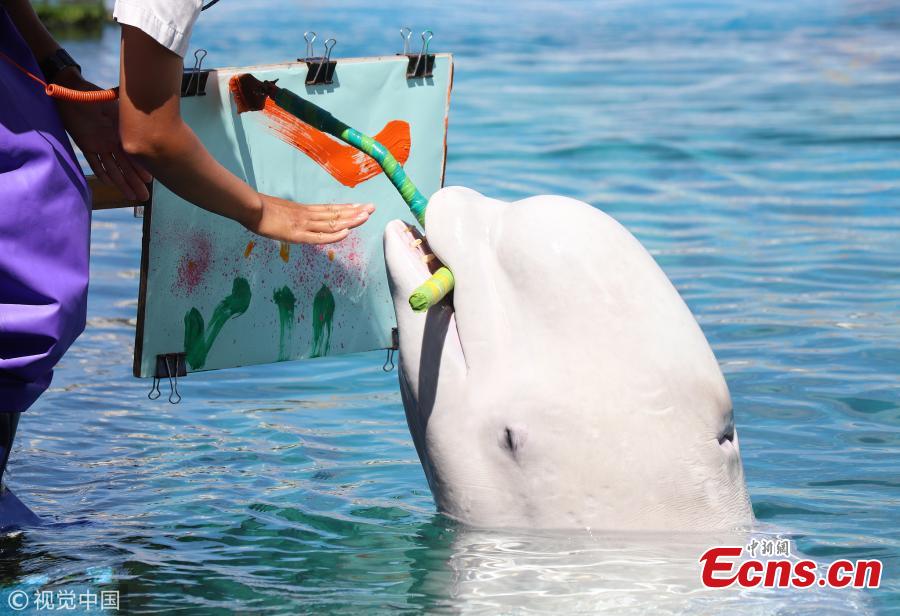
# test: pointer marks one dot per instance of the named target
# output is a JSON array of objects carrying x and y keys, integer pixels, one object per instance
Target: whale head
[{"x": 565, "y": 383}]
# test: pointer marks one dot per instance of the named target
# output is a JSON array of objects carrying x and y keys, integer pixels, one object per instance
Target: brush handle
[
  {"x": 318, "y": 118},
  {"x": 432, "y": 290},
  {"x": 441, "y": 282}
]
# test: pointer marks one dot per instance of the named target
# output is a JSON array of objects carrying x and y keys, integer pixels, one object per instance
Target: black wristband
[{"x": 57, "y": 61}]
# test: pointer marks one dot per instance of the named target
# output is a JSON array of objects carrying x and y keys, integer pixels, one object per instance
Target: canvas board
[{"x": 226, "y": 297}]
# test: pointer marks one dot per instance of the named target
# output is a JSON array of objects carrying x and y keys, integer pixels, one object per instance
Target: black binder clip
[
  {"x": 420, "y": 64},
  {"x": 320, "y": 69},
  {"x": 193, "y": 81},
  {"x": 395, "y": 345},
  {"x": 169, "y": 366}
]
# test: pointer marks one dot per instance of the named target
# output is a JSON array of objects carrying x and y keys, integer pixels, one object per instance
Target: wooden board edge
[
  {"x": 287, "y": 64},
  {"x": 106, "y": 197},
  {"x": 142, "y": 288},
  {"x": 447, "y": 119}
]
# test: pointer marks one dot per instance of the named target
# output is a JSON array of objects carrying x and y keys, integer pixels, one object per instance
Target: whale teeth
[
  {"x": 428, "y": 258},
  {"x": 415, "y": 243}
]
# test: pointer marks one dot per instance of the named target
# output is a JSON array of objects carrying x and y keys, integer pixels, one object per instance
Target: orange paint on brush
[
  {"x": 285, "y": 251},
  {"x": 249, "y": 248},
  {"x": 345, "y": 163}
]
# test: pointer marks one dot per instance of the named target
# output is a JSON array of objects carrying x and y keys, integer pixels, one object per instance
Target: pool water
[{"x": 754, "y": 149}]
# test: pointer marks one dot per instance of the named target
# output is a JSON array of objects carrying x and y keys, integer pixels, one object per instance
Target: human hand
[
  {"x": 94, "y": 127},
  {"x": 287, "y": 221}
]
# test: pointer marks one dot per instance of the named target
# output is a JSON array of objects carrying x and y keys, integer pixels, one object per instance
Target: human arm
[{"x": 152, "y": 130}]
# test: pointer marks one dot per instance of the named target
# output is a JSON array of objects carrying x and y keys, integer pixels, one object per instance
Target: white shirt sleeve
[{"x": 168, "y": 22}]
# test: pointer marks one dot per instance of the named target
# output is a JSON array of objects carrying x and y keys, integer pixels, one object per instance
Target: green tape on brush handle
[
  {"x": 440, "y": 284},
  {"x": 392, "y": 169},
  {"x": 432, "y": 290},
  {"x": 317, "y": 117}
]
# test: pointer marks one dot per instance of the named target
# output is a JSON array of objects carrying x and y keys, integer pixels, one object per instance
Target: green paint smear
[
  {"x": 323, "y": 315},
  {"x": 286, "y": 302},
  {"x": 198, "y": 339}
]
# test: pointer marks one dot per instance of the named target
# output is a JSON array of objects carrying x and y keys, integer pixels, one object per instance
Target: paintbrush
[{"x": 250, "y": 94}]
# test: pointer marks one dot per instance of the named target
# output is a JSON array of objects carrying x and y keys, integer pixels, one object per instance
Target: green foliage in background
[{"x": 72, "y": 18}]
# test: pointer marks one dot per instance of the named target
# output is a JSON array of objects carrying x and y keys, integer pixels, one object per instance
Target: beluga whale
[{"x": 564, "y": 384}]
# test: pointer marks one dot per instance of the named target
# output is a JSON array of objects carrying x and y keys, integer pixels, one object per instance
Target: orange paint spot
[
  {"x": 249, "y": 248},
  {"x": 345, "y": 163},
  {"x": 331, "y": 255},
  {"x": 285, "y": 251}
]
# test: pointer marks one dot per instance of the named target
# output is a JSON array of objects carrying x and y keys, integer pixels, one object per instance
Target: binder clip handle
[
  {"x": 395, "y": 346},
  {"x": 328, "y": 48},
  {"x": 427, "y": 35},
  {"x": 388, "y": 362},
  {"x": 199, "y": 56},
  {"x": 193, "y": 81},
  {"x": 169, "y": 366},
  {"x": 321, "y": 70},
  {"x": 310, "y": 38},
  {"x": 421, "y": 64},
  {"x": 154, "y": 389},
  {"x": 405, "y": 34}
]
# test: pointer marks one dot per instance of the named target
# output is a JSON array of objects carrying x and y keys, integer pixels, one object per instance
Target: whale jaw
[{"x": 564, "y": 383}]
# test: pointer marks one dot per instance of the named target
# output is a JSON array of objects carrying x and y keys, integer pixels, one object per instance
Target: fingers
[
  {"x": 115, "y": 174},
  {"x": 332, "y": 211},
  {"x": 309, "y": 224},
  {"x": 347, "y": 219},
  {"x": 145, "y": 176},
  {"x": 96, "y": 166},
  {"x": 332, "y": 223},
  {"x": 324, "y": 238},
  {"x": 117, "y": 169},
  {"x": 135, "y": 175}
]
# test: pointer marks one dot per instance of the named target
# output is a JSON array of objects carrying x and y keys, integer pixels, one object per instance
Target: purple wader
[{"x": 45, "y": 222}]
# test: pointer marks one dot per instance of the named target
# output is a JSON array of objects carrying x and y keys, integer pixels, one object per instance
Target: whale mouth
[{"x": 412, "y": 261}]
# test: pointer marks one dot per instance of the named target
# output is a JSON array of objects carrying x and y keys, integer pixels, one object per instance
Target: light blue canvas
[{"x": 194, "y": 260}]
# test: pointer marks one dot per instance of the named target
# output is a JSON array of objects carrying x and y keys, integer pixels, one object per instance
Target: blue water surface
[{"x": 754, "y": 149}]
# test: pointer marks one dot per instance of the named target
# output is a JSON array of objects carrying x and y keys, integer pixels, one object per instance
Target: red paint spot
[
  {"x": 342, "y": 265},
  {"x": 194, "y": 264},
  {"x": 345, "y": 163},
  {"x": 249, "y": 248}
]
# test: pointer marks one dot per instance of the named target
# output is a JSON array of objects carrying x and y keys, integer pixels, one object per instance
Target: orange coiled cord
[
  {"x": 81, "y": 96},
  {"x": 67, "y": 94}
]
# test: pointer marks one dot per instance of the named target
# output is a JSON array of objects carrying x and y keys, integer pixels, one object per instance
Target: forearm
[
  {"x": 41, "y": 43},
  {"x": 186, "y": 168},
  {"x": 152, "y": 130}
]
